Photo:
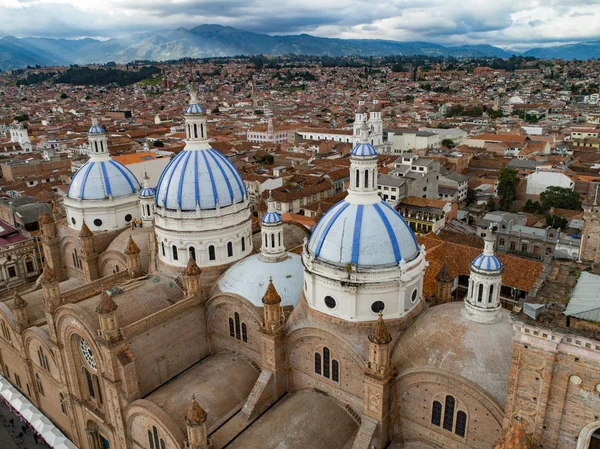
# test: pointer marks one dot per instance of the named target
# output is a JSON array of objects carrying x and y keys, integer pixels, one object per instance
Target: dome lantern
[{"x": 271, "y": 229}]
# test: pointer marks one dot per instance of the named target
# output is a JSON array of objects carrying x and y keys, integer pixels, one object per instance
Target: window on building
[
  {"x": 449, "y": 413},
  {"x": 192, "y": 251},
  {"x": 326, "y": 366},
  {"x": 512, "y": 246},
  {"x": 491, "y": 295},
  {"x": 524, "y": 247},
  {"x": 38, "y": 384},
  {"x": 18, "y": 380},
  {"x": 330, "y": 302},
  {"x": 461, "y": 423},
  {"x": 317, "y": 363},
  {"x": 231, "y": 328},
  {"x": 244, "y": 333},
  {"x": 272, "y": 240},
  {"x": 162, "y": 245},
  {"x": 63, "y": 407},
  {"x": 229, "y": 249},
  {"x": 211, "y": 253},
  {"x": 43, "y": 359},
  {"x": 357, "y": 182},
  {"x": 480, "y": 293},
  {"x": 377, "y": 306},
  {"x": 89, "y": 383},
  {"x": 29, "y": 267},
  {"x": 366, "y": 178},
  {"x": 436, "y": 413},
  {"x": 335, "y": 371},
  {"x": 12, "y": 272},
  {"x": 195, "y": 131},
  {"x": 501, "y": 243},
  {"x": 175, "y": 253},
  {"x": 243, "y": 244},
  {"x": 154, "y": 439},
  {"x": 5, "y": 331}
]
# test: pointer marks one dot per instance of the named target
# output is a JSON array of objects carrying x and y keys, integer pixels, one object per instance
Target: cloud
[{"x": 512, "y": 24}]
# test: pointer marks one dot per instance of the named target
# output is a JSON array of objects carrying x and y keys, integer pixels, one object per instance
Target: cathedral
[{"x": 188, "y": 331}]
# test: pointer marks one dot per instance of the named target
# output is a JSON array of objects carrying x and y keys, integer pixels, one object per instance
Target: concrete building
[
  {"x": 539, "y": 181},
  {"x": 404, "y": 140}
]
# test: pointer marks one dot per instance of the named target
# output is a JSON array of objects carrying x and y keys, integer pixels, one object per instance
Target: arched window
[
  {"x": 154, "y": 439},
  {"x": 237, "y": 325},
  {"x": 175, "y": 255},
  {"x": 335, "y": 371},
  {"x": 195, "y": 131},
  {"x": 96, "y": 146},
  {"x": 326, "y": 370},
  {"x": 38, "y": 384},
  {"x": 188, "y": 131},
  {"x": 243, "y": 244},
  {"x": 491, "y": 295},
  {"x": 192, "y": 251},
  {"x": 162, "y": 244},
  {"x": 231, "y": 328},
  {"x": 501, "y": 242},
  {"x": 211, "y": 253},
  {"x": 436, "y": 413},
  {"x": 89, "y": 383},
  {"x": 43, "y": 359},
  {"x": 148, "y": 210},
  {"x": 279, "y": 239},
  {"x": 266, "y": 241},
  {"x": 229, "y": 249},
  {"x": 63, "y": 407},
  {"x": 5, "y": 331},
  {"x": 449, "y": 413},
  {"x": 461, "y": 423},
  {"x": 480, "y": 293},
  {"x": 244, "y": 333},
  {"x": 512, "y": 246},
  {"x": 272, "y": 240},
  {"x": 317, "y": 363},
  {"x": 357, "y": 179},
  {"x": 101, "y": 146},
  {"x": 202, "y": 130},
  {"x": 366, "y": 178},
  {"x": 326, "y": 366}
]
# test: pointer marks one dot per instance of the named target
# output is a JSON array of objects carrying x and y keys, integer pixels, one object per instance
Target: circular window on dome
[
  {"x": 128, "y": 218},
  {"x": 330, "y": 302},
  {"x": 97, "y": 222},
  {"x": 86, "y": 353},
  {"x": 377, "y": 306},
  {"x": 73, "y": 220},
  {"x": 413, "y": 297}
]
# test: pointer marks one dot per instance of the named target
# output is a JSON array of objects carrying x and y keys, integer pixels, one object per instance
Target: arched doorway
[
  {"x": 95, "y": 438},
  {"x": 589, "y": 437}
]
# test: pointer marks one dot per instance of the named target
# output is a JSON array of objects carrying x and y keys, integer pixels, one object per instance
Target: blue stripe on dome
[
  {"x": 106, "y": 180},
  {"x": 176, "y": 160},
  {"x": 147, "y": 192},
  {"x": 390, "y": 231},
  {"x": 212, "y": 180},
  {"x": 487, "y": 263},
  {"x": 122, "y": 169},
  {"x": 235, "y": 173},
  {"x": 181, "y": 178},
  {"x": 385, "y": 203},
  {"x": 363, "y": 149},
  {"x": 197, "y": 189},
  {"x": 271, "y": 217},
  {"x": 356, "y": 240},
  {"x": 329, "y": 224},
  {"x": 82, "y": 191},
  {"x": 194, "y": 109},
  {"x": 211, "y": 154}
]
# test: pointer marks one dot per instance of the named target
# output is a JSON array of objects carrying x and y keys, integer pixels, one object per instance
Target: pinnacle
[
  {"x": 192, "y": 268},
  {"x": 195, "y": 414},
  {"x": 48, "y": 275},
  {"x": 271, "y": 295},
  {"x": 107, "y": 305},
  {"x": 18, "y": 301},
  {"x": 85, "y": 230},
  {"x": 379, "y": 333},
  {"x": 131, "y": 247}
]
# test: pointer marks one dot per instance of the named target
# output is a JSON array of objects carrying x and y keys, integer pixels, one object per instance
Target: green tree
[
  {"x": 21, "y": 117},
  {"x": 267, "y": 159},
  {"x": 508, "y": 179},
  {"x": 532, "y": 207},
  {"x": 158, "y": 143},
  {"x": 561, "y": 197},
  {"x": 556, "y": 221},
  {"x": 448, "y": 143},
  {"x": 63, "y": 96}
]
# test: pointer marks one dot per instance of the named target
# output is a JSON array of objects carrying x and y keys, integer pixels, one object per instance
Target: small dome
[
  {"x": 99, "y": 180},
  {"x": 194, "y": 109},
  {"x": 363, "y": 149},
  {"x": 487, "y": 263},
  {"x": 96, "y": 129},
  {"x": 441, "y": 337},
  {"x": 271, "y": 218},
  {"x": 147, "y": 192},
  {"x": 201, "y": 179},
  {"x": 249, "y": 278},
  {"x": 366, "y": 235}
]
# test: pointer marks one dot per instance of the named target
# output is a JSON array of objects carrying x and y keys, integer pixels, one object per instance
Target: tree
[
  {"x": 532, "y": 207},
  {"x": 561, "y": 197},
  {"x": 508, "y": 179},
  {"x": 268, "y": 159},
  {"x": 448, "y": 143},
  {"x": 556, "y": 221},
  {"x": 63, "y": 96},
  {"x": 21, "y": 117},
  {"x": 158, "y": 143}
]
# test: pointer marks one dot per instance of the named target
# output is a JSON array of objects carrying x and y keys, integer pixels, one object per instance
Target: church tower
[
  {"x": 271, "y": 229},
  {"x": 89, "y": 255},
  {"x": 147, "y": 195},
  {"x": 195, "y": 420},
  {"x": 132, "y": 258},
  {"x": 376, "y": 124},
  {"x": 359, "y": 118},
  {"x": 51, "y": 245},
  {"x": 482, "y": 303}
]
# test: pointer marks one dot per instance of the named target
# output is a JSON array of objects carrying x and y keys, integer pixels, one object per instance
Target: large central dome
[
  {"x": 372, "y": 235},
  {"x": 199, "y": 179}
]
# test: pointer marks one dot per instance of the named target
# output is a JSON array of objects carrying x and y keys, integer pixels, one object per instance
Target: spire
[
  {"x": 18, "y": 301},
  {"x": 192, "y": 268},
  {"x": 48, "y": 275},
  {"x": 145, "y": 180},
  {"x": 195, "y": 414},
  {"x": 85, "y": 230},
  {"x": 193, "y": 94},
  {"x": 516, "y": 436},
  {"x": 444, "y": 275},
  {"x": 364, "y": 132},
  {"x": 107, "y": 305},
  {"x": 131, "y": 247},
  {"x": 271, "y": 296},
  {"x": 318, "y": 212},
  {"x": 380, "y": 334},
  {"x": 489, "y": 240}
]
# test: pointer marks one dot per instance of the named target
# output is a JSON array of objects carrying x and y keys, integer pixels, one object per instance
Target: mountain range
[{"x": 216, "y": 40}]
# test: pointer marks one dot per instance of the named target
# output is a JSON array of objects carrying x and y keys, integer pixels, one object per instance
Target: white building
[
  {"x": 258, "y": 134},
  {"x": 404, "y": 140},
  {"x": 539, "y": 181}
]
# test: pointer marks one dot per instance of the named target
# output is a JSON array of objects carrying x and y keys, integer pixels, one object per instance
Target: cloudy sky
[{"x": 514, "y": 24}]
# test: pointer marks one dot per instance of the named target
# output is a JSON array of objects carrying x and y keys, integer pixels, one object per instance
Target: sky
[{"x": 511, "y": 24}]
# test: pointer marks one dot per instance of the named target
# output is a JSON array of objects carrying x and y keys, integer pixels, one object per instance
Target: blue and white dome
[
  {"x": 96, "y": 129},
  {"x": 486, "y": 262},
  {"x": 363, "y": 149},
  {"x": 98, "y": 180},
  {"x": 271, "y": 218},
  {"x": 194, "y": 109},
  {"x": 147, "y": 192},
  {"x": 368, "y": 235},
  {"x": 199, "y": 179}
]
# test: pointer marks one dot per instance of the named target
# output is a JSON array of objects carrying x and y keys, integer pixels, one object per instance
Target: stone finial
[
  {"x": 195, "y": 414},
  {"x": 192, "y": 268},
  {"x": 380, "y": 334},
  {"x": 444, "y": 275},
  {"x": 193, "y": 94},
  {"x": 18, "y": 301},
  {"x": 94, "y": 121},
  {"x": 516, "y": 436},
  {"x": 271, "y": 296},
  {"x": 107, "y": 305},
  {"x": 85, "y": 230},
  {"x": 48, "y": 275},
  {"x": 131, "y": 247},
  {"x": 318, "y": 212}
]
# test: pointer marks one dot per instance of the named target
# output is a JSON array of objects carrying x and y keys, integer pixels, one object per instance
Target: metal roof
[{"x": 585, "y": 301}]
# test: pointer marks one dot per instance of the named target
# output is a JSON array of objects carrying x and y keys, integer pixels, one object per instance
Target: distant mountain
[
  {"x": 216, "y": 40},
  {"x": 581, "y": 50}
]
